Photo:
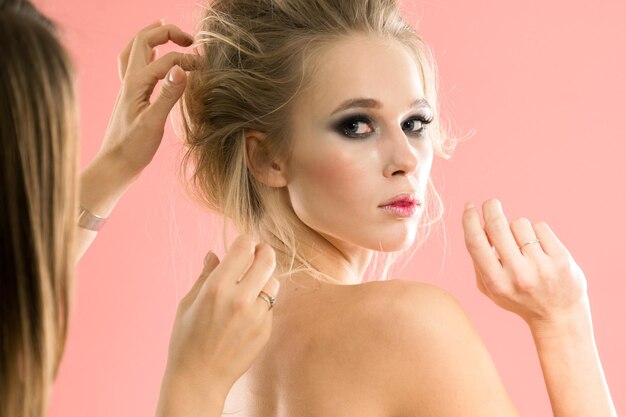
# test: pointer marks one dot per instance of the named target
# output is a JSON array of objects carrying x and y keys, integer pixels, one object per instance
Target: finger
[
  {"x": 156, "y": 23},
  {"x": 549, "y": 241},
  {"x": 499, "y": 232},
  {"x": 158, "y": 69},
  {"x": 271, "y": 289},
  {"x": 259, "y": 273},
  {"x": 154, "y": 55},
  {"x": 211, "y": 261},
  {"x": 236, "y": 261},
  {"x": 144, "y": 42},
  {"x": 478, "y": 245},
  {"x": 479, "y": 280},
  {"x": 143, "y": 83},
  {"x": 492, "y": 248},
  {"x": 171, "y": 90},
  {"x": 122, "y": 60},
  {"x": 523, "y": 232}
]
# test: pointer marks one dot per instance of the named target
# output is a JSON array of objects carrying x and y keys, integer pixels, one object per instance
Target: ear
[{"x": 269, "y": 172}]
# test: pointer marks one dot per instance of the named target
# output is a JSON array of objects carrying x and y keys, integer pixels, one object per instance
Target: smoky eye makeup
[
  {"x": 416, "y": 125},
  {"x": 355, "y": 126},
  {"x": 358, "y": 126}
]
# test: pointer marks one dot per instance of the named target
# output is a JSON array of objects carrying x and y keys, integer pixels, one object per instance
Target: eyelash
[{"x": 343, "y": 127}]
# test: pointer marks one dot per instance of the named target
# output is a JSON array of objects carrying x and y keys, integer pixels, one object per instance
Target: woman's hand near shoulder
[
  {"x": 524, "y": 268},
  {"x": 221, "y": 325}
]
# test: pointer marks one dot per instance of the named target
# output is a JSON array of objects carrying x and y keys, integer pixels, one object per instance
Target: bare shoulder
[
  {"x": 384, "y": 316},
  {"x": 396, "y": 348},
  {"x": 407, "y": 305},
  {"x": 433, "y": 356},
  {"x": 412, "y": 296},
  {"x": 411, "y": 316}
]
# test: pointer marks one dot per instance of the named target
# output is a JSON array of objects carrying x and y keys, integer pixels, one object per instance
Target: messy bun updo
[{"x": 257, "y": 56}]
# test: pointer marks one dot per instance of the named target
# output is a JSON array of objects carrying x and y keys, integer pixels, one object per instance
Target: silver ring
[
  {"x": 528, "y": 243},
  {"x": 270, "y": 300}
]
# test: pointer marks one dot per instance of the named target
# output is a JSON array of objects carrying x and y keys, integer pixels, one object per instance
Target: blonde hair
[
  {"x": 37, "y": 215},
  {"x": 258, "y": 55}
]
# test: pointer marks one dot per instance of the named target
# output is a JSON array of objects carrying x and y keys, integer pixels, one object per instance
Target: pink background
[{"x": 542, "y": 82}]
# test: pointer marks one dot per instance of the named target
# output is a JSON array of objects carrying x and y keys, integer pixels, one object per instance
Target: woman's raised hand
[
  {"x": 221, "y": 326},
  {"x": 136, "y": 126},
  {"x": 540, "y": 282}
]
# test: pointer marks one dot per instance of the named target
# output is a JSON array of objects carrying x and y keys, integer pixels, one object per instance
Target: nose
[{"x": 400, "y": 153}]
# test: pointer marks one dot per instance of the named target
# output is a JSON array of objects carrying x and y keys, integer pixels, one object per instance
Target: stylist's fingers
[
  {"x": 143, "y": 43},
  {"x": 158, "y": 69},
  {"x": 143, "y": 82},
  {"x": 171, "y": 90},
  {"x": 122, "y": 60}
]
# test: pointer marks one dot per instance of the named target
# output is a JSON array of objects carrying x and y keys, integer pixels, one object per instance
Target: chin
[{"x": 394, "y": 242}]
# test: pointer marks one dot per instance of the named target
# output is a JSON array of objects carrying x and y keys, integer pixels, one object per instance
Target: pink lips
[{"x": 403, "y": 205}]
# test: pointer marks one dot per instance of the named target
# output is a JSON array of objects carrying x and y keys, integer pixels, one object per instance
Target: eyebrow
[{"x": 373, "y": 104}]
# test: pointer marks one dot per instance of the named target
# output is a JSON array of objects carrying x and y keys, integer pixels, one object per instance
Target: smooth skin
[
  {"x": 336, "y": 183},
  {"x": 543, "y": 285},
  {"x": 136, "y": 126},
  {"x": 401, "y": 348},
  {"x": 221, "y": 324}
]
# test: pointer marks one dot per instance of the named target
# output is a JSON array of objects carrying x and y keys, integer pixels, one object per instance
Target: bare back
[{"x": 339, "y": 351}]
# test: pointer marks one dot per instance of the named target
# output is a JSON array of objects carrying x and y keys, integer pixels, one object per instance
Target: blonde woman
[
  {"x": 214, "y": 339},
  {"x": 312, "y": 124}
]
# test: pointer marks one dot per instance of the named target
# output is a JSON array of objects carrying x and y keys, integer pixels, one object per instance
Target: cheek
[
  {"x": 327, "y": 178},
  {"x": 338, "y": 170},
  {"x": 426, "y": 165}
]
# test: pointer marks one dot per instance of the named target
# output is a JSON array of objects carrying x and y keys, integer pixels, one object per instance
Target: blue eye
[{"x": 357, "y": 126}]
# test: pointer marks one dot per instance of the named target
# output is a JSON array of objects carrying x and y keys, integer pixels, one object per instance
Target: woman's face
[{"x": 359, "y": 142}]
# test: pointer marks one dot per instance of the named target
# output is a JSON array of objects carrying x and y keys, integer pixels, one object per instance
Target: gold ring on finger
[{"x": 268, "y": 298}]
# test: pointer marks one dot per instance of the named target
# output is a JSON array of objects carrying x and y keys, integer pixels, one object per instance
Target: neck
[{"x": 340, "y": 262}]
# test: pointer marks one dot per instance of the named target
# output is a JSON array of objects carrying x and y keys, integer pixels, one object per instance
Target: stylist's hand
[
  {"x": 540, "y": 282},
  {"x": 136, "y": 126},
  {"x": 221, "y": 326}
]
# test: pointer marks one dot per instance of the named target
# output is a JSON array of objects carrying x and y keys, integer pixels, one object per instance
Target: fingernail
[
  {"x": 468, "y": 205},
  {"x": 207, "y": 257},
  {"x": 175, "y": 76}
]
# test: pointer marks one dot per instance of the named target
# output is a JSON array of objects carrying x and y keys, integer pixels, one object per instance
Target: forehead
[{"x": 366, "y": 67}]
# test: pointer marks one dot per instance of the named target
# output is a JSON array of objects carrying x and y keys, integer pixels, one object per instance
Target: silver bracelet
[{"x": 88, "y": 220}]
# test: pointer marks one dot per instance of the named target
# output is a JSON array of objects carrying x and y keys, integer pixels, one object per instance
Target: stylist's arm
[
  {"x": 136, "y": 126},
  {"x": 221, "y": 326}
]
